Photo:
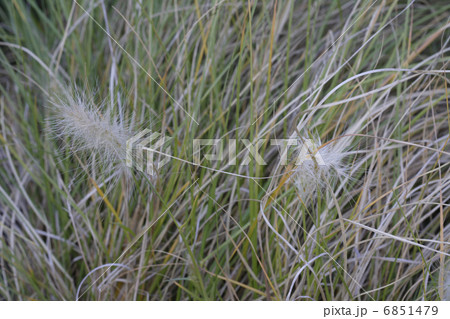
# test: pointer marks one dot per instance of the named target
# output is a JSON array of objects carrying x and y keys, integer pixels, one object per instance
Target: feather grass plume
[
  {"x": 90, "y": 128},
  {"x": 319, "y": 165}
]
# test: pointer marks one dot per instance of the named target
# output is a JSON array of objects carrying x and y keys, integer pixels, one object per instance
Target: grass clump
[{"x": 367, "y": 80}]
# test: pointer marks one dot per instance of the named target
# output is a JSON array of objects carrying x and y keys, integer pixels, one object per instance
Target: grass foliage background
[{"x": 74, "y": 227}]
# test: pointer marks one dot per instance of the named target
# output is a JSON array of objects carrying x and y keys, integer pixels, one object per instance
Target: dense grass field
[{"x": 365, "y": 81}]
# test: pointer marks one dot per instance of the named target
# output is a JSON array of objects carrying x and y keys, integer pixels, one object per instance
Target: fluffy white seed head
[
  {"x": 318, "y": 165},
  {"x": 89, "y": 128}
]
